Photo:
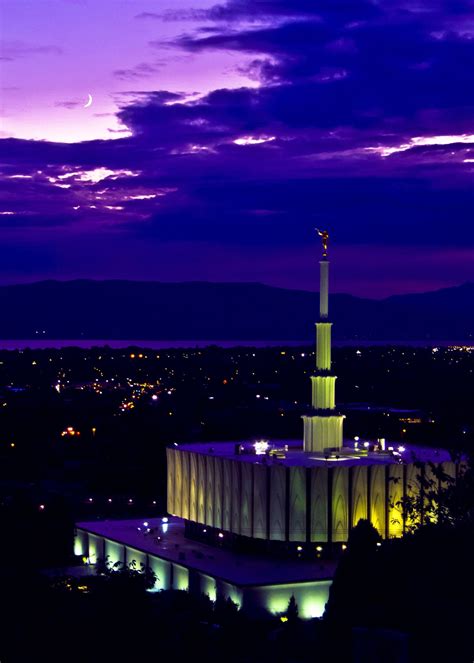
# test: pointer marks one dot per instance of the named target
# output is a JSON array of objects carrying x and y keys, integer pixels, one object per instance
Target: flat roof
[
  {"x": 295, "y": 456},
  {"x": 237, "y": 568}
]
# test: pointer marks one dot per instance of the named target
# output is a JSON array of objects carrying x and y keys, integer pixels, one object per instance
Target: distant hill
[{"x": 224, "y": 311}]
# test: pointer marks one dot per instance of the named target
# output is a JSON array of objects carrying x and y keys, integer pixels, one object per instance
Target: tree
[
  {"x": 125, "y": 576},
  {"x": 292, "y": 612},
  {"x": 352, "y": 591},
  {"x": 401, "y": 585},
  {"x": 225, "y": 611},
  {"x": 439, "y": 498}
]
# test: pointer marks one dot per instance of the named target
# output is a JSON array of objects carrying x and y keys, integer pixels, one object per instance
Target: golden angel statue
[{"x": 324, "y": 239}]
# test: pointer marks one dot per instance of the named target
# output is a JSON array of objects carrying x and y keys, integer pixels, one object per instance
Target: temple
[
  {"x": 287, "y": 492},
  {"x": 236, "y": 510}
]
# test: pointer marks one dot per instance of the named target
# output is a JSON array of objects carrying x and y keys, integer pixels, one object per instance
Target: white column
[
  {"x": 323, "y": 392},
  {"x": 323, "y": 288},
  {"x": 323, "y": 346}
]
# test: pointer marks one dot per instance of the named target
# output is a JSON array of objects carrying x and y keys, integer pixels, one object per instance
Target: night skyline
[{"x": 220, "y": 135}]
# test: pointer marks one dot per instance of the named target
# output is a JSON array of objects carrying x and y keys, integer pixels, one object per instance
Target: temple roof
[
  {"x": 290, "y": 453},
  {"x": 241, "y": 569}
]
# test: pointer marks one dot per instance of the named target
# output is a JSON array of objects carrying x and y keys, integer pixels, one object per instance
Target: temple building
[
  {"x": 313, "y": 492},
  {"x": 236, "y": 510}
]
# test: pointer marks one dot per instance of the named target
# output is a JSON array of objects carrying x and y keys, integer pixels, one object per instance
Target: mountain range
[{"x": 114, "y": 310}]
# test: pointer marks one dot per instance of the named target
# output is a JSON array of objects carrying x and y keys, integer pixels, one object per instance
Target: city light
[
  {"x": 261, "y": 447},
  {"x": 70, "y": 432}
]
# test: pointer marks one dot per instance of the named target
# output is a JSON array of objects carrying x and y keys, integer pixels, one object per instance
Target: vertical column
[
  {"x": 319, "y": 504},
  {"x": 323, "y": 346},
  {"x": 323, "y": 289},
  {"x": 170, "y": 492},
  {"x": 277, "y": 502},
  {"x": 297, "y": 504},
  {"x": 323, "y": 328},
  {"x": 340, "y": 504}
]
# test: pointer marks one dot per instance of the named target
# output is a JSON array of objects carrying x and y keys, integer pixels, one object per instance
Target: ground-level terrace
[{"x": 254, "y": 583}]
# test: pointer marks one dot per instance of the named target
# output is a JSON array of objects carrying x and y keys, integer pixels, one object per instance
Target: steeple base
[{"x": 322, "y": 432}]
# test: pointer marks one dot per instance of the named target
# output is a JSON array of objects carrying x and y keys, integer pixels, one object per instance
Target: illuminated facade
[
  {"x": 303, "y": 498},
  {"x": 254, "y": 584}
]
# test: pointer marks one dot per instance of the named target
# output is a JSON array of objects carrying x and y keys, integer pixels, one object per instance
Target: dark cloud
[
  {"x": 340, "y": 132},
  {"x": 363, "y": 210},
  {"x": 248, "y": 10}
]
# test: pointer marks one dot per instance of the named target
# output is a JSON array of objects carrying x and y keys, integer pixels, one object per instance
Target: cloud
[
  {"x": 148, "y": 15},
  {"x": 71, "y": 105},
  {"x": 139, "y": 71},
  {"x": 12, "y": 50},
  {"x": 362, "y": 121},
  {"x": 251, "y": 11},
  {"x": 224, "y": 180}
]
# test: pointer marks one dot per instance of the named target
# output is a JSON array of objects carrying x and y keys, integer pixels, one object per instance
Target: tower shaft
[{"x": 323, "y": 288}]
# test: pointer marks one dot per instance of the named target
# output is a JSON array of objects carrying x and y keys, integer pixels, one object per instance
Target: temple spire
[{"x": 323, "y": 427}]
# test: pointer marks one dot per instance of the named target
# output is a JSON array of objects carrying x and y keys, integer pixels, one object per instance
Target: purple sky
[{"x": 220, "y": 135}]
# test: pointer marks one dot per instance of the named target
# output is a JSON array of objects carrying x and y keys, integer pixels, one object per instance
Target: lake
[{"x": 37, "y": 344}]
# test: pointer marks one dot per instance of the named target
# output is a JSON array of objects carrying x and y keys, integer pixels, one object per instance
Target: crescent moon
[{"x": 89, "y": 101}]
